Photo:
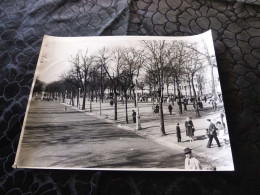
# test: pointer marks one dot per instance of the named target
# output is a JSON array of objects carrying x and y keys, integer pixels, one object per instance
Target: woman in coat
[{"x": 189, "y": 128}]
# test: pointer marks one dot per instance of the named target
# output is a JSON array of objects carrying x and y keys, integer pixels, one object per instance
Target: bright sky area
[{"x": 56, "y": 51}]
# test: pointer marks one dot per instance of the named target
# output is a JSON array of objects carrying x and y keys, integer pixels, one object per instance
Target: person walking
[
  {"x": 134, "y": 116},
  {"x": 205, "y": 98},
  {"x": 191, "y": 163},
  {"x": 170, "y": 109},
  {"x": 186, "y": 125},
  {"x": 185, "y": 105},
  {"x": 189, "y": 128},
  {"x": 157, "y": 109},
  {"x": 178, "y": 133},
  {"x": 212, "y": 133}
]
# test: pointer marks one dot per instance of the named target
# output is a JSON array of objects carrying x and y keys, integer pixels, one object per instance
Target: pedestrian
[
  {"x": 222, "y": 135},
  {"x": 157, "y": 108},
  {"x": 172, "y": 100},
  {"x": 214, "y": 105},
  {"x": 65, "y": 109},
  {"x": 170, "y": 109},
  {"x": 134, "y": 116},
  {"x": 191, "y": 163},
  {"x": 185, "y": 105},
  {"x": 178, "y": 132},
  {"x": 189, "y": 128},
  {"x": 186, "y": 125},
  {"x": 212, "y": 133}
]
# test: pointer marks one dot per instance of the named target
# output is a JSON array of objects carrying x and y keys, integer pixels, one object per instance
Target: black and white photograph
[{"x": 126, "y": 103}]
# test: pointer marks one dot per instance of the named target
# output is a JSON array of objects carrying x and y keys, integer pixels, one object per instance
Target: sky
[{"x": 56, "y": 51}]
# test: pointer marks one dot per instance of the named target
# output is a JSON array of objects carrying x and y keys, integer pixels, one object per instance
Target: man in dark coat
[
  {"x": 134, "y": 116},
  {"x": 185, "y": 105},
  {"x": 212, "y": 133},
  {"x": 178, "y": 132},
  {"x": 170, "y": 109}
]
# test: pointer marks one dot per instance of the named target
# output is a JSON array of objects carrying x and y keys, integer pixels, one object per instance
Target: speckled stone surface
[{"x": 236, "y": 32}]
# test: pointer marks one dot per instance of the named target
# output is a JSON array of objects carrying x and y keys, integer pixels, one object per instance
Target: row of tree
[{"x": 119, "y": 70}]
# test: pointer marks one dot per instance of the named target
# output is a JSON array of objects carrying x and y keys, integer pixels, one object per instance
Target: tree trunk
[
  {"x": 195, "y": 98},
  {"x": 115, "y": 102},
  {"x": 96, "y": 94},
  {"x": 84, "y": 100},
  {"x": 190, "y": 87},
  {"x": 62, "y": 98},
  {"x": 92, "y": 95},
  {"x": 101, "y": 85},
  {"x": 213, "y": 84},
  {"x": 72, "y": 99},
  {"x": 134, "y": 97},
  {"x": 161, "y": 114},
  {"x": 138, "y": 117},
  {"x": 174, "y": 86},
  {"x": 126, "y": 112},
  {"x": 90, "y": 106},
  {"x": 100, "y": 102},
  {"x": 91, "y": 100},
  {"x": 77, "y": 100},
  {"x": 179, "y": 97},
  {"x": 167, "y": 87}
]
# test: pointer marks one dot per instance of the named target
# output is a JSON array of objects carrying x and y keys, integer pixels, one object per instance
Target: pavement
[
  {"x": 221, "y": 158},
  {"x": 54, "y": 138}
]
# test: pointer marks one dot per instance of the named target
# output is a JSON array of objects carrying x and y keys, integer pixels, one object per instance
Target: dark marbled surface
[{"x": 236, "y": 31}]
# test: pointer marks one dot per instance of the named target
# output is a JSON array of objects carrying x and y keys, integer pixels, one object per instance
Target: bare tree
[
  {"x": 158, "y": 63},
  {"x": 132, "y": 60},
  {"x": 178, "y": 57},
  {"x": 38, "y": 87},
  {"x": 73, "y": 85},
  {"x": 81, "y": 64},
  {"x": 112, "y": 70},
  {"x": 192, "y": 69},
  {"x": 200, "y": 81},
  {"x": 211, "y": 60}
]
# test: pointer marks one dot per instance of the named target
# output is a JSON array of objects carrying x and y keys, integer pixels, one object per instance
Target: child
[{"x": 178, "y": 132}]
